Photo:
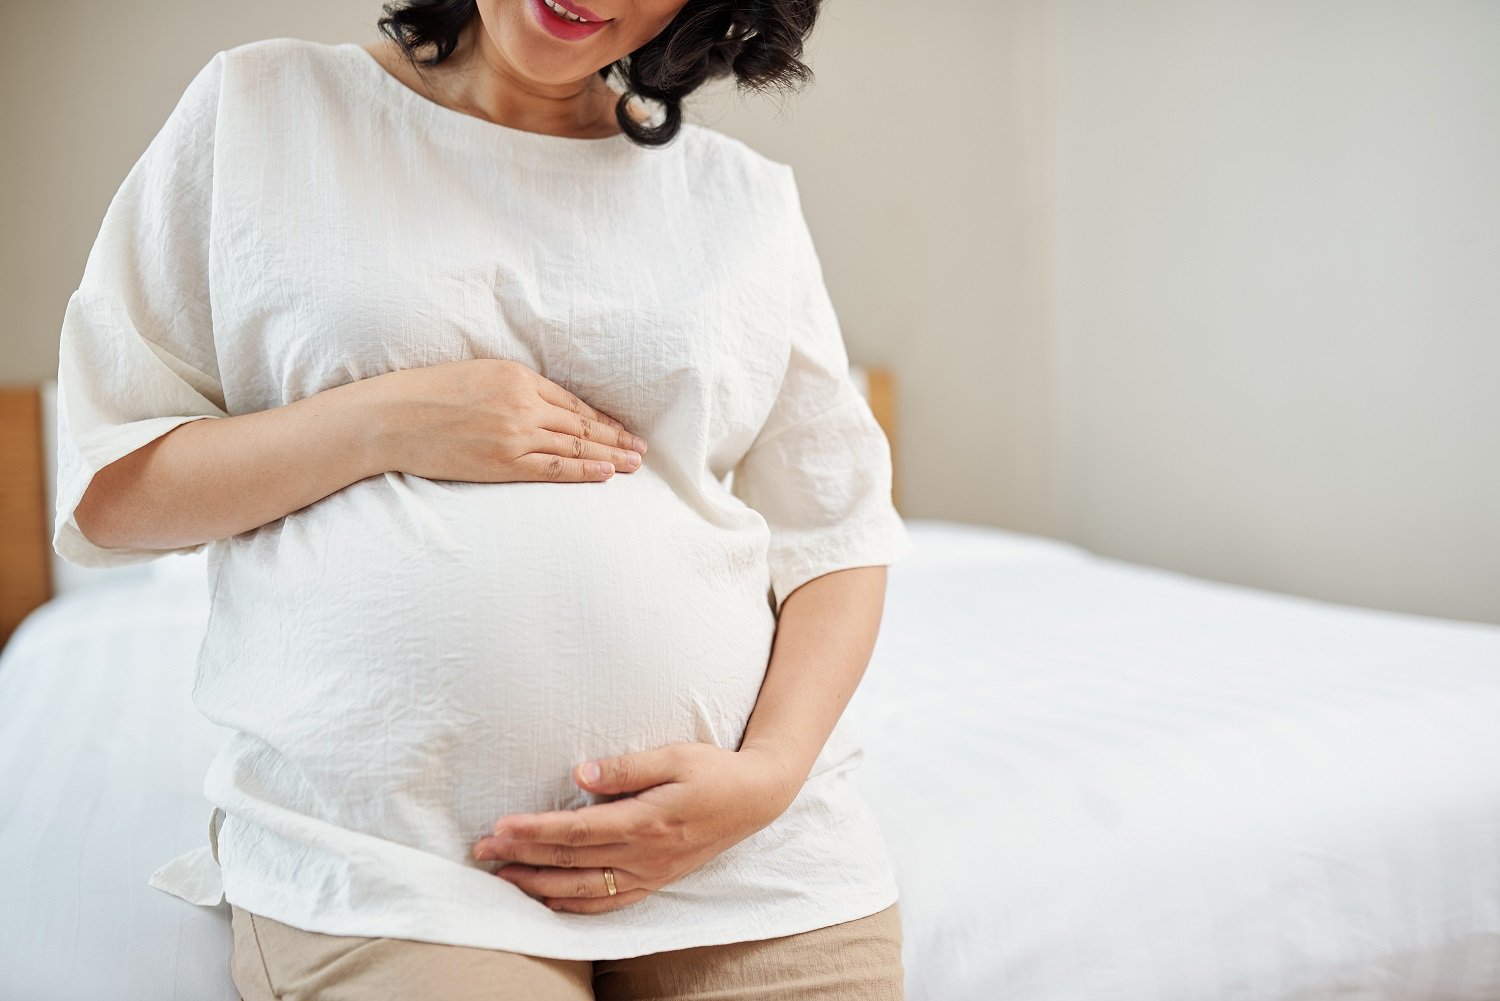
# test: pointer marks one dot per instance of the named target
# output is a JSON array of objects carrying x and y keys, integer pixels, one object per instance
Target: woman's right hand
[{"x": 491, "y": 420}]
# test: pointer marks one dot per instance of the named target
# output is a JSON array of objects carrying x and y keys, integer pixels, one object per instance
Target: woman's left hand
[{"x": 691, "y": 802}]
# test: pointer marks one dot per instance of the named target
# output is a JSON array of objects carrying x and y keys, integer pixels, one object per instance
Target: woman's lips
[{"x": 560, "y": 27}]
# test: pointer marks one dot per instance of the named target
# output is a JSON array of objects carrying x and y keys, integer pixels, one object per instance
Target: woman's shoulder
[
  {"x": 285, "y": 53},
  {"x": 292, "y": 68},
  {"x": 717, "y": 159}
]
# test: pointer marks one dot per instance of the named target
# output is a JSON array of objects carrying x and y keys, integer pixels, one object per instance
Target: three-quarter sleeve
[
  {"x": 819, "y": 471},
  {"x": 137, "y": 357}
]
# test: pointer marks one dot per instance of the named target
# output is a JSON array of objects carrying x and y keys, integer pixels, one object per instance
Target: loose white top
[{"x": 407, "y": 660}]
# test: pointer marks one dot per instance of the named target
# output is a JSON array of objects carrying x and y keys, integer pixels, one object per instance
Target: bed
[{"x": 1098, "y": 780}]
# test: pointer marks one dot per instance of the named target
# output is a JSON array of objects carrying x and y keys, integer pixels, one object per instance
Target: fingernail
[
  {"x": 617, "y": 424},
  {"x": 508, "y": 873},
  {"x": 631, "y": 459},
  {"x": 639, "y": 445},
  {"x": 590, "y": 772},
  {"x": 483, "y": 855}
]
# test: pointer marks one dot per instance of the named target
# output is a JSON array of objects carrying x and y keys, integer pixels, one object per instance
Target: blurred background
[{"x": 1209, "y": 286}]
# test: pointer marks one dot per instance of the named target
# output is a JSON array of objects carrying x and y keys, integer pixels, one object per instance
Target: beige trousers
[{"x": 855, "y": 960}]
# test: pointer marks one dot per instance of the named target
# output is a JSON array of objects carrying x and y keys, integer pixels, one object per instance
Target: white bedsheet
[
  {"x": 102, "y": 756},
  {"x": 1103, "y": 781},
  {"x": 1098, "y": 781}
]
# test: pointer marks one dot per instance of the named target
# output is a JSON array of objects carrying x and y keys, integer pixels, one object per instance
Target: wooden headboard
[
  {"x": 26, "y": 548},
  {"x": 882, "y": 395}
]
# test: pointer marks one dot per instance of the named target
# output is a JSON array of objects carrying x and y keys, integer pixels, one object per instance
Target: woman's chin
[
  {"x": 541, "y": 64},
  {"x": 547, "y": 60}
]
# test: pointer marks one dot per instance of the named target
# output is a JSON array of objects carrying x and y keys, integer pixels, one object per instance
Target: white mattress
[{"x": 1098, "y": 781}]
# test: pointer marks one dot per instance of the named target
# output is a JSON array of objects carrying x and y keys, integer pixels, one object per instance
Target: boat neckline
[{"x": 481, "y": 126}]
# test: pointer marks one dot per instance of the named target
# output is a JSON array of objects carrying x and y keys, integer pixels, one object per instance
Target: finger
[
  {"x": 545, "y": 882},
  {"x": 596, "y": 905},
  {"x": 583, "y": 426},
  {"x": 547, "y": 466},
  {"x": 630, "y": 772},
  {"x": 612, "y": 419},
  {"x": 601, "y": 824},
  {"x": 556, "y": 443},
  {"x": 561, "y": 398},
  {"x": 543, "y": 855}
]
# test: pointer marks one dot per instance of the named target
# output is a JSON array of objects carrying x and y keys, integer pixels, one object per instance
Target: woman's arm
[
  {"x": 210, "y": 479},
  {"x": 824, "y": 637},
  {"x": 696, "y": 800},
  {"x": 480, "y": 419}
]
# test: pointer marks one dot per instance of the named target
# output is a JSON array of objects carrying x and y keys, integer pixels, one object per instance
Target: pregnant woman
[{"x": 546, "y": 530}]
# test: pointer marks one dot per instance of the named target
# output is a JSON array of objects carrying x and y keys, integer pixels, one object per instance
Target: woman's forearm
[
  {"x": 213, "y": 478},
  {"x": 486, "y": 420},
  {"x": 824, "y": 637}
]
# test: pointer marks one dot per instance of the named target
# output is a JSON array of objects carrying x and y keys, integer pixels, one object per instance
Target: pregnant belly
[{"x": 418, "y": 658}]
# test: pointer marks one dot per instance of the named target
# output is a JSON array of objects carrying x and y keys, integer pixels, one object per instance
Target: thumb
[{"x": 628, "y": 772}]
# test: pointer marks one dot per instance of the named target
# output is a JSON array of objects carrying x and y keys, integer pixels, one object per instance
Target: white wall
[{"x": 1278, "y": 293}]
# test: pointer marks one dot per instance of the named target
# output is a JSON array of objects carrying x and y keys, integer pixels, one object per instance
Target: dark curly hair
[{"x": 758, "y": 41}]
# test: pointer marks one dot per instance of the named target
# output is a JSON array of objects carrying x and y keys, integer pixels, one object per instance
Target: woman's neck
[{"x": 477, "y": 80}]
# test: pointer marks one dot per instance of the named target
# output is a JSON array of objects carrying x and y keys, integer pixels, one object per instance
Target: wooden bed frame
[{"x": 26, "y": 549}]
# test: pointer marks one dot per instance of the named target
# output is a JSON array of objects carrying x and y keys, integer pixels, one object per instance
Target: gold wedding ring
[{"x": 609, "y": 880}]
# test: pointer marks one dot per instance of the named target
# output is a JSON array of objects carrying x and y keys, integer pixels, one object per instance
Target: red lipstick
[{"x": 560, "y": 27}]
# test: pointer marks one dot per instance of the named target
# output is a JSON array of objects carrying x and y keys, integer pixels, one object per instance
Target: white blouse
[{"x": 407, "y": 660}]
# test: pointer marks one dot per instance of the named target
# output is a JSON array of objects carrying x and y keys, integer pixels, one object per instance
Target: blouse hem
[{"x": 268, "y": 901}]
